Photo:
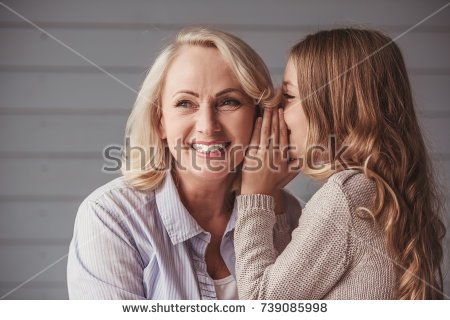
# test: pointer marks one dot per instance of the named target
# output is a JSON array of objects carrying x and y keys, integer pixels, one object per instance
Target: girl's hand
[{"x": 267, "y": 167}]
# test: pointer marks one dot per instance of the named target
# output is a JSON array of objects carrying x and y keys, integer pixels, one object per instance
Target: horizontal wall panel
[
  {"x": 436, "y": 134},
  {"x": 126, "y": 48},
  {"x": 58, "y": 111},
  {"x": 37, "y": 293},
  {"x": 19, "y": 263},
  {"x": 68, "y": 91},
  {"x": 45, "y": 133},
  {"x": 442, "y": 169},
  {"x": 93, "y": 133},
  {"x": 431, "y": 93},
  {"x": 248, "y": 13},
  {"x": 137, "y": 49},
  {"x": 51, "y": 177},
  {"x": 32, "y": 220},
  {"x": 85, "y": 93},
  {"x": 303, "y": 187}
]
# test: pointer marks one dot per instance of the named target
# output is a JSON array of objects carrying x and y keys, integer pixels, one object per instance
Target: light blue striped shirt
[{"x": 129, "y": 244}]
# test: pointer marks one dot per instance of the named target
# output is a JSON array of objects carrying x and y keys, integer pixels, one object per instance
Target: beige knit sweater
[{"x": 333, "y": 253}]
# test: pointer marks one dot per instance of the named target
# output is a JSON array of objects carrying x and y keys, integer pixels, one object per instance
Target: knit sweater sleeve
[
  {"x": 311, "y": 264},
  {"x": 285, "y": 223}
]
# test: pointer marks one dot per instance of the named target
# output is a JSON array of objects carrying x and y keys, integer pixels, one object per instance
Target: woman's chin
[
  {"x": 212, "y": 170},
  {"x": 208, "y": 170},
  {"x": 209, "y": 166}
]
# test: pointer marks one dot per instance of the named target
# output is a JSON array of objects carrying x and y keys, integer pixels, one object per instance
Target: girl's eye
[
  {"x": 228, "y": 105},
  {"x": 288, "y": 96}
]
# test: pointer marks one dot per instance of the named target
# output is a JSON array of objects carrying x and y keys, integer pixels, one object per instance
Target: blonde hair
[
  {"x": 354, "y": 85},
  {"x": 141, "y": 170}
]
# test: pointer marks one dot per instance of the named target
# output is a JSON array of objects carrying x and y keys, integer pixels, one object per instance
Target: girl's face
[
  {"x": 207, "y": 119},
  {"x": 293, "y": 113}
]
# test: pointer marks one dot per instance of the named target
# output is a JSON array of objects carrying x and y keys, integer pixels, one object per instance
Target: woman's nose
[{"x": 207, "y": 120}]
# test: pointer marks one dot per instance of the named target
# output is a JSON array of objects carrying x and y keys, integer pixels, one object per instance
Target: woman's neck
[{"x": 208, "y": 201}]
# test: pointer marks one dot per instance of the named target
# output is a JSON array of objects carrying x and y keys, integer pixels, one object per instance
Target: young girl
[{"x": 373, "y": 230}]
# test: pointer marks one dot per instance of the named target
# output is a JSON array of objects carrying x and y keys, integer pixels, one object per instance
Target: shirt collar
[
  {"x": 232, "y": 222},
  {"x": 179, "y": 223}
]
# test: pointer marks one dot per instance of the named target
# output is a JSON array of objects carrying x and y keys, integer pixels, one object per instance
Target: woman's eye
[
  {"x": 229, "y": 104},
  {"x": 184, "y": 104}
]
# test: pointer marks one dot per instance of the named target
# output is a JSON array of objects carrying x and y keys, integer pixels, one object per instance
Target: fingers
[
  {"x": 293, "y": 169},
  {"x": 275, "y": 135},
  {"x": 254, "y": 142},
  {"x": 265, "y": 127},
  {"x": 284, "y": 141},
  {"x": 295, "y": 166}
]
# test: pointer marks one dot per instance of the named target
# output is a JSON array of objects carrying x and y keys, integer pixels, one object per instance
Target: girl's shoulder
[
  {"x": 340, "y": 200},
  {"x": 355, "y": 186},
  {"x": 342, "y": 193}
]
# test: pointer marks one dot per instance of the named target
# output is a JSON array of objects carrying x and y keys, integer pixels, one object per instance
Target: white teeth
[{"x": 208, "y": 148}]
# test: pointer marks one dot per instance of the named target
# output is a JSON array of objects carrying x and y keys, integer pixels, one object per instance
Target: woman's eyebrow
[
  {"x": 187, "y": 92},
  {"x": 222, "y": 92},
  {"x": 228, "y": 90}
]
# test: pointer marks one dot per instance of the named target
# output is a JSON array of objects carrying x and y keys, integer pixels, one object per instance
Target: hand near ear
[{"x": 269, "y": 151}]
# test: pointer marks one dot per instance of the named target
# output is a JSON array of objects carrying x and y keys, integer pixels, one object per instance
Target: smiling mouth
[{"x": 210, "y": 149}]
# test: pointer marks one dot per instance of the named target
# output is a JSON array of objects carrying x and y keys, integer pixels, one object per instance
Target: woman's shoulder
[
  {"x": 118, "y": 192},
  {"x": 118, "y": 201},
  {"x": 122, "y": 211}
]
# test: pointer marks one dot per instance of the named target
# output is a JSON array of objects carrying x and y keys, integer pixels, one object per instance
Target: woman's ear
[{"x": 161, "y": 129}]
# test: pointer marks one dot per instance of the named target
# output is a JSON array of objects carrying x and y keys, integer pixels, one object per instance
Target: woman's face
[
  {"x": 207, "y": 119},
  {"x": 293, "y": 113}
]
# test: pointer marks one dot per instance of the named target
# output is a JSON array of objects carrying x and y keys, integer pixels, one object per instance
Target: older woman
[{"x": 165, "y": 229}]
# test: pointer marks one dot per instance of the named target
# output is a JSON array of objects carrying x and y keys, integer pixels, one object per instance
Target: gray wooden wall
[{"x": 58, "y": 112}]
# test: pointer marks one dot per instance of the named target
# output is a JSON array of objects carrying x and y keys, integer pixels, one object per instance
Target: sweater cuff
[{"x": 257, "y": 201}]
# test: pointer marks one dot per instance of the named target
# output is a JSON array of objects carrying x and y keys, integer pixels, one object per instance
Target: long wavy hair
[
  {"x": 354, "y": 85},
  {"x": 148, "y": 156}
]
